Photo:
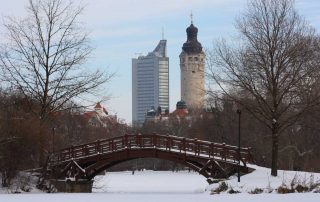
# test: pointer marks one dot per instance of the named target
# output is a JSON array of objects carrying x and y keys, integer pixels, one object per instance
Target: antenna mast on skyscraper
[{"x": 162, "y": 33}]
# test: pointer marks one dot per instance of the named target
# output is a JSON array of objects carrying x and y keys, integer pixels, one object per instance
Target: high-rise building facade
[
  {"x": 150, "y": 82},
  {"x": 192, "y": 62}
]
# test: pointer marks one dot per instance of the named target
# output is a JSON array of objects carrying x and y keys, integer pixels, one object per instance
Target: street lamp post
[
  {"x": 53, "y": 133},
  {"x": 239, "y": 151}
]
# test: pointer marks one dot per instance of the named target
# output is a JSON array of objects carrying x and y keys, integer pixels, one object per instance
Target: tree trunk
[
  {"x": 42, "y": 141},
  {"x": 4, "y": 179},
  {"x": 275, "y": 147},
  {"x": 41, "y": 146},
  {"x": 290, "y": 161}
]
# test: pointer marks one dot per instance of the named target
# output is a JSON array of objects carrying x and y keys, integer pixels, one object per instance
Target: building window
[{"x": 190, "y": 58}]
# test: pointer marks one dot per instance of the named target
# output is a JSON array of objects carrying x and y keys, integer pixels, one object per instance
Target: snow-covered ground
[
  {"x": 161, "y": 198},
  {"x": 167, "y": 186},
  {"x": 151, "y": 182},
  {"x": 25, "y": 183},
  {"x": 261, "y": 178}
]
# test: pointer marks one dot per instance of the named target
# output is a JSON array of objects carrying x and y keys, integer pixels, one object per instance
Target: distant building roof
[
  {"x": 98, "y": 106},
  {"x": 99, "y": 115},
  {"x": 161, "y": 49},
  {"x": 181, "y": 105},
  {"x": 180, "y": 112},
  {"x": 181, "y": 109}
]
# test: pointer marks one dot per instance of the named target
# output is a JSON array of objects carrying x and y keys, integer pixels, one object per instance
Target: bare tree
[
  {"x": 45, "y": 54},
  {"x": 272, "y": 63}
]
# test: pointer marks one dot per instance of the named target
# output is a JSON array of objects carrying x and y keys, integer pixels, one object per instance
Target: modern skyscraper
[
  {"x": 192, "y": 60},
  {"x": 150, "y": 82}
]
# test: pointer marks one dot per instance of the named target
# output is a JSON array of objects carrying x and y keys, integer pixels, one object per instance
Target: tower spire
[
  {"x": 192, "y": 45},
  {"x": 191, "y": 17}
]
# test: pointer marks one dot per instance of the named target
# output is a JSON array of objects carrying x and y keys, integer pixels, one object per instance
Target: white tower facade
[{"x": 192, "y": 64}]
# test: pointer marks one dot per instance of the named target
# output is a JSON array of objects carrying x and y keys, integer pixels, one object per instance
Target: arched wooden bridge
[{"x": 212, "y": 160}]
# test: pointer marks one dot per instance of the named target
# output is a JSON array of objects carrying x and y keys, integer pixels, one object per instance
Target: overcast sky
[{"x": 121, "y": 29}]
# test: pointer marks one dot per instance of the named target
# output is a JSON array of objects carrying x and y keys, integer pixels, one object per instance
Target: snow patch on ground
[
  {"x": 184, "y": 186},
  {"x": 150, "y": 182},
  {"x": 23, "y": 183},
  {"x": 261, "y": 178},
  {"x": 103, "y": 197},
  {"x": 192, "y": 182}
]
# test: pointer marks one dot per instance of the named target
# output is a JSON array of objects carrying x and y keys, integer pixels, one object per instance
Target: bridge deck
[{"x": 167, "y": 143}]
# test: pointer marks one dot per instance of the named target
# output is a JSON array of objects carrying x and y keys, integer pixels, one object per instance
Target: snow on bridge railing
[{"x": 165, "y": 142}]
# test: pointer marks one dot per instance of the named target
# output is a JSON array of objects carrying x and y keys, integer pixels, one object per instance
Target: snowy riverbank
[
  {"x": 184, "y": 186},
  {"x": 148, "y": 197}
]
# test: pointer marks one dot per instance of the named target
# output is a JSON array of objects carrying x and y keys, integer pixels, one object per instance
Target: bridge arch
[
  {"x": 212, "y": 160},
  {"x": 104, "y": 165}
]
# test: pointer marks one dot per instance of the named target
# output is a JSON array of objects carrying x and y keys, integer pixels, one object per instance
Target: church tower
[{"x": 192, "y": 61}]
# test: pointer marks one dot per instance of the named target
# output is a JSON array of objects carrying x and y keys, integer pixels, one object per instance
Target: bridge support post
[{"x": 80, "y": 186}]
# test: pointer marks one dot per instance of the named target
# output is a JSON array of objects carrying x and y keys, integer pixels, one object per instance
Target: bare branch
[{"x": 46, "y": 53}]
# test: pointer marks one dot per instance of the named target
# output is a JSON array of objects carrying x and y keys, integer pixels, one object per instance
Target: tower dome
[
  {"x": 192, "y": 45},
  {"x": 181, "y": 105}
]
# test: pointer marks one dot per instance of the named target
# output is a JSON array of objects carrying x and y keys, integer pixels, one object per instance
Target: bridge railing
[{"x": 163, "y": 142}]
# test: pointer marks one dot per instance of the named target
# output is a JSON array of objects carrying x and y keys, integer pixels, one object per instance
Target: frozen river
[
  {"x": 155, "y": 186},
  {"x": 151, "y": 182}
]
